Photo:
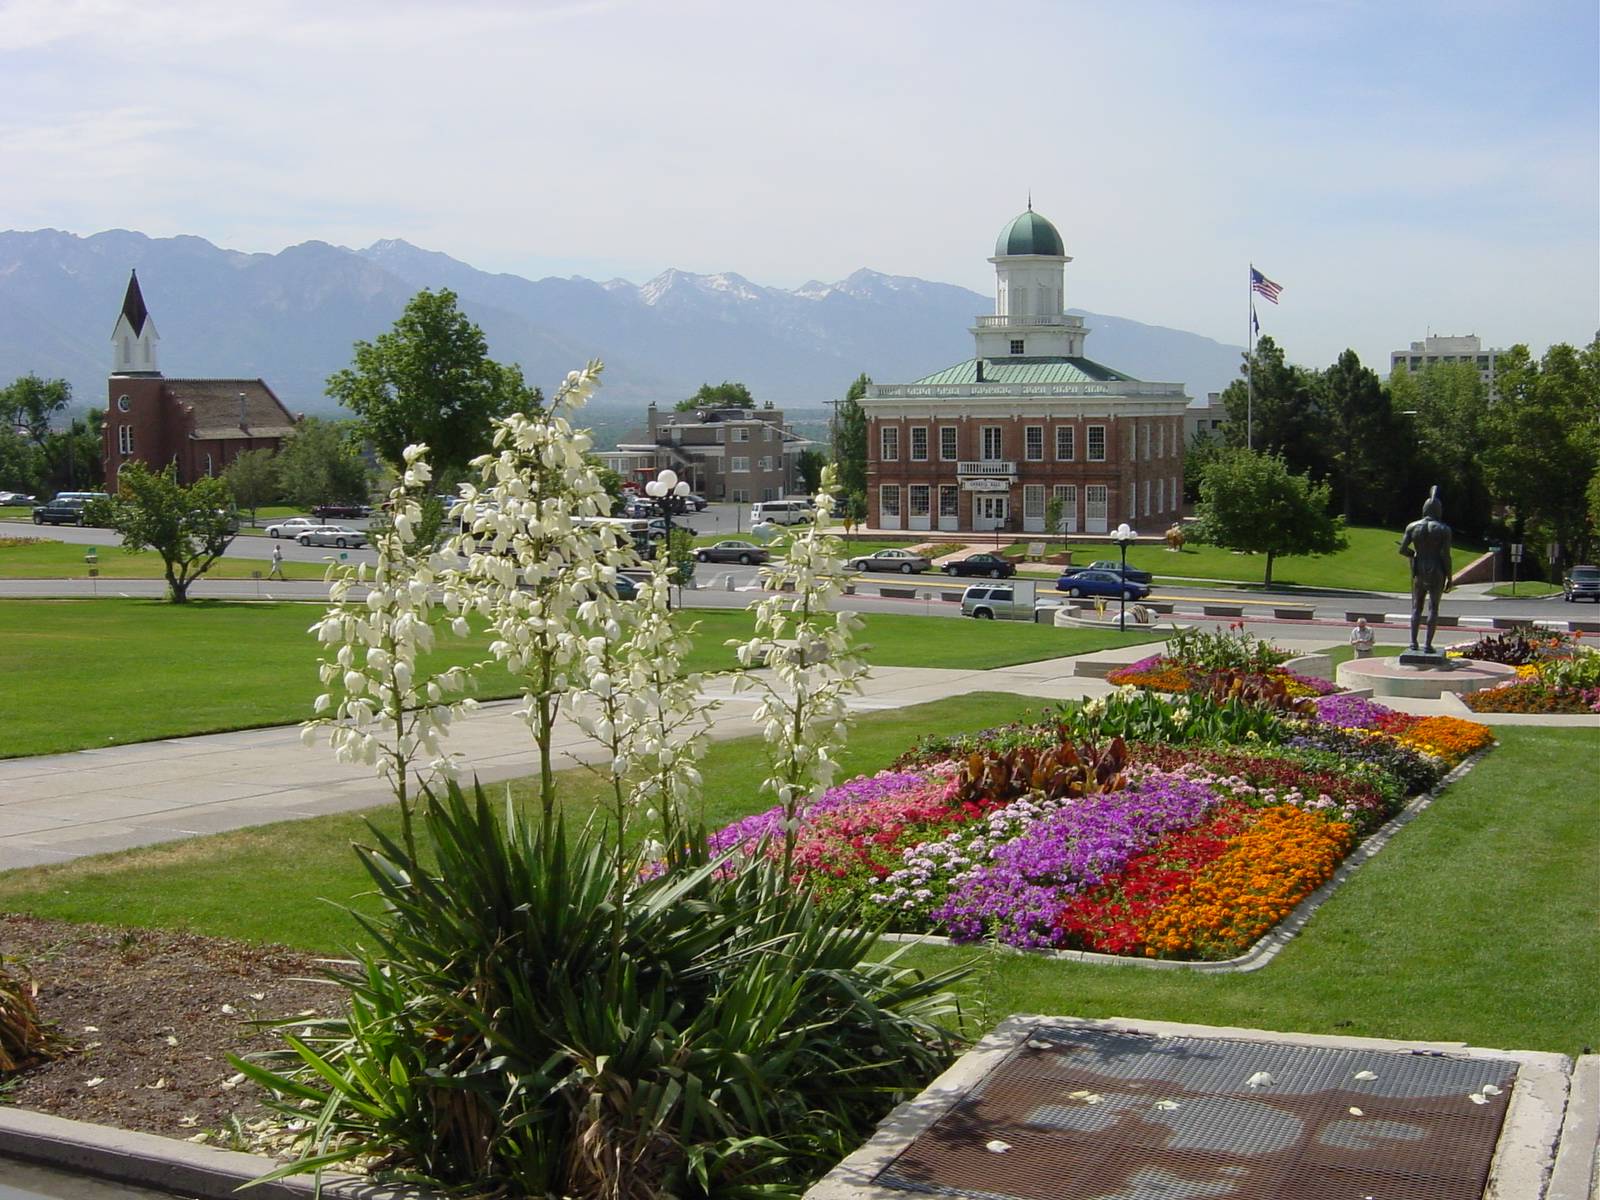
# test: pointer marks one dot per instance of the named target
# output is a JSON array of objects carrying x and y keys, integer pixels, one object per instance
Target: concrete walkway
[{"x": 58, "y": 807}]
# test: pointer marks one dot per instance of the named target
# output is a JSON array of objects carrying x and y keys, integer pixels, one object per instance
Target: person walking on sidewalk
[{"x": 277, "y": 563}]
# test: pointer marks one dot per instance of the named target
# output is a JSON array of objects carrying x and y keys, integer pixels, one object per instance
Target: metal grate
[{"x": 1104, "y": 1115}]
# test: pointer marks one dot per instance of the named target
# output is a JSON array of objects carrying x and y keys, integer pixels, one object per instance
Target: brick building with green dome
[{"x": 985, "y": 444}]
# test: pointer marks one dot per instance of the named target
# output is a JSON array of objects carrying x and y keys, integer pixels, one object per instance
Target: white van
[{"x": 781, "y": 512}]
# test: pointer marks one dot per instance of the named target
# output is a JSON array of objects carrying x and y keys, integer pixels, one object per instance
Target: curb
[{"x": 167, "y": 1164}]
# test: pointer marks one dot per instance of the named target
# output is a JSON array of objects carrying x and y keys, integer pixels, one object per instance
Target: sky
[{"x": 1400, "y": 168}]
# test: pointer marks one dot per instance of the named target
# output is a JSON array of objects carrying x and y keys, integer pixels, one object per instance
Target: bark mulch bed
[{"x": 151, "y": 1017}]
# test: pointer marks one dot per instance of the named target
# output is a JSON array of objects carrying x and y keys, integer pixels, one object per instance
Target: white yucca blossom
[
  {"x": 531, "y": 564},
  {"x": 380, "y": 708},
  {"x": 632, "y": 697},
  {"x": 812, "y": 668}
]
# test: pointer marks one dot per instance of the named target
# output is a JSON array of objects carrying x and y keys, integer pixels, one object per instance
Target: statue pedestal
[
  {"x": 1426, "y": 658},
  {"x": 1426, "y": 680}
]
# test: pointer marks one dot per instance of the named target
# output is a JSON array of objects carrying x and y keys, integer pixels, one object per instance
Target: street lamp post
[
  {"x": 664, "y": 489},
  {"x": 1122, "y": 535}
]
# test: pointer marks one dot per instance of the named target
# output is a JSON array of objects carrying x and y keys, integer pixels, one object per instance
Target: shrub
[
  {"x": 1230, "y": 649},
  {"x": 737, "y": 1045},
  {"x": 24, "y": 1036},
  {"x": 1515, "y": 647}
]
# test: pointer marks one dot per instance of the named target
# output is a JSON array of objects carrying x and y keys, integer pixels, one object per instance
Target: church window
[
  {"x": 123, "y": 403},
  {"x": 125, "y": 439},
  {"x": 1016, "y": 345},
  {"x": 208, "y": 466},
  {"x": 1065, "y": 450},
  {"x": 919, "y": 443},
  {"x": 947, "y": 443},
  {"x": 1097, "y": 443},
  {"x": 1033, "y": 443},
  {"x": 889, "y": 443}
]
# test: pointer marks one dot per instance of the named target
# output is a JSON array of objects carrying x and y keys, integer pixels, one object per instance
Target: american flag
[{"x": 1263, "y": 286}]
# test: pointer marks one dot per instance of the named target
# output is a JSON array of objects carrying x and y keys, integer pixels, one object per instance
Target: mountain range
[{"x": 292, "y": 317}]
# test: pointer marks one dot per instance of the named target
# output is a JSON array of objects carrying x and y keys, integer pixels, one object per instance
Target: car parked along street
[
  {"x": 291, "y": 527},
  {"x": 331, "y": 535},
  {"x": 1582, "y": 583},
  {"x": 1100, "y": 583},
  {"x": 1132, "y": 574},
  {"x": 733, "y": 551},
  {"x": 903, "y": 561},
  {"x": 995, "y": 566}
]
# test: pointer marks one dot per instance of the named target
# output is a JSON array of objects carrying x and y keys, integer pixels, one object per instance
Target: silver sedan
[
  {"x": 903, "y": 561},
  {"x": 331, "y": 535}
]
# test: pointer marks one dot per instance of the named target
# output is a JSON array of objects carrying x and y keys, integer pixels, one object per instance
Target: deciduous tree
[
  {"x": 850, "y": 445},
  {"x": 253, "y": 479},
  {"x": 320, "y": 463},
  {"x": 430, "y": 379},
  {"x": 30, "y": 404},
  {"x": 189, "y": 527},
  {"x": 1254, "y": 503},
  {"x": 1447, "y": 407},
  {"x": 1284, "y": 406},
  {"x": 726, "y": 394}
]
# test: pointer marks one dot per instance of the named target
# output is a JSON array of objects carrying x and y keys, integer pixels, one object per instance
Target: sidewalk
[{"x": 55, "y": 808}]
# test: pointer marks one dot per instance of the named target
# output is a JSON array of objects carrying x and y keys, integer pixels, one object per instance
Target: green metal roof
[
  {"x": 1029, "y": 370},
  {"x": 1029, "y": 234}
]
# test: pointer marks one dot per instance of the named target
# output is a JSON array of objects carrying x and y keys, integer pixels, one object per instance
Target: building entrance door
[{"x": 990, "y": 511}]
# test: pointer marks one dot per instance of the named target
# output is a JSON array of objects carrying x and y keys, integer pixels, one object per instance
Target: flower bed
[
  {"x": 1164, "y": 674},
  {"x": 1135, "y": 825},
  {"x": 1555, "y": 674}
]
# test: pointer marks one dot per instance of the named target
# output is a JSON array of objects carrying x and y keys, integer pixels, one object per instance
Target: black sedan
[
  {"x": 733, "y": 552},
  {"x": 993, "y": 565}
]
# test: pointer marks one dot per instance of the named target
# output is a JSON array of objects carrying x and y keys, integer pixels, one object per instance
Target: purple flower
[
  {"x": 1018, "y": 892},
  {"x": 1350, "y": 712},
  {"x": 747, "y": 833}
]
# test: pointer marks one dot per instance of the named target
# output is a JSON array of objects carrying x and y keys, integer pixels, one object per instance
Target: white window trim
[
  {"x": 1072, "y": 443},
  {"x": 889, "y": 439},
  {"x": 999, "y": 443},
  {"x": 740, "y": 464},
  {"x": 1088, "y": 444},
  {"x": 1027, "y": 449},
  {"x": 125, "y": 439},
  {"x": 923, "y": 491},
  {"x": 889, "y": 499},
  {"x": 912, "y": 449},
  {"x": 955, "y": 443}
]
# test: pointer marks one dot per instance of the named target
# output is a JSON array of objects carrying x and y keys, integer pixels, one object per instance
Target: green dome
[{"x": 1029, "y": 234}]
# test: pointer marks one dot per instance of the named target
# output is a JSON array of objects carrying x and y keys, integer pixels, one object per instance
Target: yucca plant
[
  {"x": 739, "y": 1046},
  {"x": 24, "y": 1035}
]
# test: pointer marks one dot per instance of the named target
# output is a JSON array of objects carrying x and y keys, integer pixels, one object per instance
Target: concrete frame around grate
[
  {"x": 1523, "y": 1159},
  {"x": 1266, "y": 947}
]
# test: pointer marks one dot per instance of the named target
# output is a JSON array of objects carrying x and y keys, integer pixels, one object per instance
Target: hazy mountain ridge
[{"x": 292, "y": 317}]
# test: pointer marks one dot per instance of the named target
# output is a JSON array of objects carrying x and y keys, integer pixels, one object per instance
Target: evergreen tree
[
  {"x": 1356, "y": 410},
  {"x": 1280, "y": 411}
]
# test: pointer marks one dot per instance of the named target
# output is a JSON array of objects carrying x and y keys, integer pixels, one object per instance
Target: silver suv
[
  {"x": 1582, "y": 583},
  {"x": 1002, "y": 601}
]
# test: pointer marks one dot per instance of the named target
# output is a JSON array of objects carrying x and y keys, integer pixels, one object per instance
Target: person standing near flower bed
[{"x": 1363, "y": 639}]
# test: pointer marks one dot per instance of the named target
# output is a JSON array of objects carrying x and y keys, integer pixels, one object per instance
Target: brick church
[
  {"x": 202, "y": 425},
  {"x": 988, "y": 443}
]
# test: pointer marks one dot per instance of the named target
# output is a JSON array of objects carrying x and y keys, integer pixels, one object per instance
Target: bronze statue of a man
[{"x": 1427, "y": 544}]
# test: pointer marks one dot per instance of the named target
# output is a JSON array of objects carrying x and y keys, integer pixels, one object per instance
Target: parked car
[
  {"x": 903, "y": 561},
  {"x": 10, "y": 498},
  {"x": 1132, "y": 574},
  {"x": 59, "y": 511},
  {"x": 627, "y": 587},
  {"x": 291, "y": 527},
  {"x": 341, "y": 512},
  {"x": 995, "y": 566},
  {"x": 1582, "y": 583},
  {"x": 1008, "y": 602},
  {"x": 331, "y": 535},
  {"x": 733, "y": 551},
  {"x": 1100, "y": 583},
  {"x": 696, "y": 501}
]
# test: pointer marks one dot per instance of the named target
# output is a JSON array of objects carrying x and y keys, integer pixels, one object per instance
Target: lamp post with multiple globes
[
  {"x": 666, "y": 489},
  {"x": 1122, "y": 535}
]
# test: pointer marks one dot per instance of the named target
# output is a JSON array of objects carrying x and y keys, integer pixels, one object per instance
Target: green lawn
[
  {"x": 1475, "y": 925},
  {"x": 1534, "y": 587},
  {"x": 64, "y": 560},
  {"x": 1370, "y": 563},
  {"x": 85, "y": 673}
]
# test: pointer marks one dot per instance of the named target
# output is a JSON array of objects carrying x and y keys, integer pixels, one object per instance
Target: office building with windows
[
  {"x": 989, "y": 443},
  {"x": 739, "y": 454},
  {"x": 1467, "y": 348}
]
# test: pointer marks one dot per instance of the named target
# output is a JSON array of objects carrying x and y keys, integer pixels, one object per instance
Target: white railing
[
  {"x": 989, "y": 467},
  {"x": 1044, "y": 320}
]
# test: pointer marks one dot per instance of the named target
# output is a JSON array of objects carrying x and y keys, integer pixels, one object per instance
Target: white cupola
[
  {"x": 1030, "y": 319},
  {"x": 134, "y": 338}
]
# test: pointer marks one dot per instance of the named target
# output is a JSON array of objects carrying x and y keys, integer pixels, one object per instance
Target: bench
[
  {"x": 1291, "y": 612},
  {"x": 897, "y": 593},
  {"x": 1583, "y": 626},
  {"x": 1035, "y": 551},
  {"x": 1161, "y": 606},
  {"x": 1373, "y": 618},
  {"x": 1223, "y": 610}
]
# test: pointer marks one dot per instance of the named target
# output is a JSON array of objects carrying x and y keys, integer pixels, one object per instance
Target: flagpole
[{"x": 1250, "y": 362}]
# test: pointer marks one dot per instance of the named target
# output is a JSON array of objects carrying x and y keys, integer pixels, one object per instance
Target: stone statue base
[
  {"x": 1426, "y": 680},
  {"x": 1425, "y": 658}
]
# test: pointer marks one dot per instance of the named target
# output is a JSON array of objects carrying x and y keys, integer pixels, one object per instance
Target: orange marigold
[{"x": 1449, "y": 738}]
